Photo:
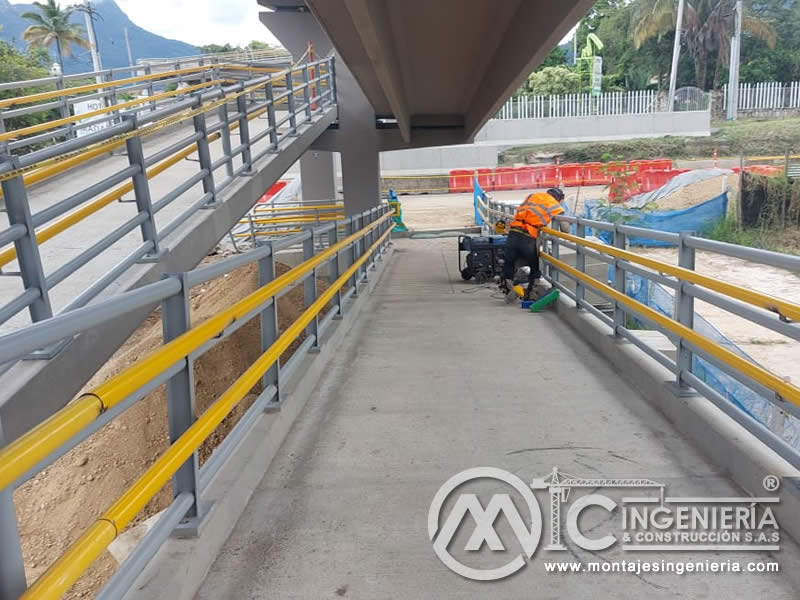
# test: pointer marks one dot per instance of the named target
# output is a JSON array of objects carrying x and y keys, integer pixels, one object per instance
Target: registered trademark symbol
[{"x": 771, "y": 483}]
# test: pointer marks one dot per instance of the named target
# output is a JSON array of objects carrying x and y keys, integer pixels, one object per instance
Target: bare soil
[
  {"x": 61, "y": 502},
  {"x": 698, "y": 193}
]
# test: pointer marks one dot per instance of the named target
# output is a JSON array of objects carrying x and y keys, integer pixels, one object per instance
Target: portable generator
[{"x": 484, "y": 257}]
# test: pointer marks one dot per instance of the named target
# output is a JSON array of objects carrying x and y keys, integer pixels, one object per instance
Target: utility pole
[
  {"x": 676, "y": 53},
  {"x": 733, "y": 75},
  {"x": 128, "y": 46},
  {"x": 97, "y": 64}
]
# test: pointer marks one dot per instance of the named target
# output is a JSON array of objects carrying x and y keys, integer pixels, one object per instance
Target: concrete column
[{"x": 318, "y": 175}]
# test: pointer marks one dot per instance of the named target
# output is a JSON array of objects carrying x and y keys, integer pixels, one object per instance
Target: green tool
[{"x": 544, "y": 301}]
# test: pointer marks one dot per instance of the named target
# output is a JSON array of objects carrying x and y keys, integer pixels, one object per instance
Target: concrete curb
[
  {"x": 178, "y": 569},
  {"x": 726, "y": 443}
]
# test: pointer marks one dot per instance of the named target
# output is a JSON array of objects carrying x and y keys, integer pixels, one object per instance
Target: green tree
[
  {"x": 51, "y": 25},
  {"x": 16, "y": 66},
  {"x": 216, "y": 48},
  {"x": 553, "y": 80},
  {"x": 556, "y": 58},
  {"x": 707, "y": 29}
]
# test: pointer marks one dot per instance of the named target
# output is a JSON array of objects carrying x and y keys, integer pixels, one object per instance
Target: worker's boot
[{"x": 507, "y": 285}]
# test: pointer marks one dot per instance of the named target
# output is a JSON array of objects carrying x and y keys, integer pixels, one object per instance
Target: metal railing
[
  {"x": 349, "y": 255},
  {"x": 267, "y": 220},
  {"x": 27, "y": 231},
  {"x": 776, "y": 314}
]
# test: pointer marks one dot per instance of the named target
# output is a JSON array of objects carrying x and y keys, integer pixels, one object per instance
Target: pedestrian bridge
[{"x": 393, "y": 377}]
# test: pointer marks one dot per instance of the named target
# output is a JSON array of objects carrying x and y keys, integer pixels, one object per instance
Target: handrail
[
  {"x": 26, "y": 452},
  {"x": 783, "y": 308}
]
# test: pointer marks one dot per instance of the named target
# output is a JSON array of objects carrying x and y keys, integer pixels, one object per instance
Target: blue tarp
[{"x": 697, "y": 218}]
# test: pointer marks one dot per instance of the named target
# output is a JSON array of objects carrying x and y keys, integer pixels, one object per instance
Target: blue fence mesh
[{"x": 696, "y": 218}]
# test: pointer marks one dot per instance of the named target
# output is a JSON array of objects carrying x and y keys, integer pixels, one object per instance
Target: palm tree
[
  {"x": 52, "y": 24},
  {"x": 707, "y": 29}
]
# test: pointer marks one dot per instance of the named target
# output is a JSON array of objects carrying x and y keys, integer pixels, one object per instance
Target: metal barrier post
[
  {"x": 176, "y": 320},
  {"x": 580, "y": 264},
  {"x": 225, "y": 134},
  {"x": 244, "y": 134},
  {"x": 619, "y": 281},
  {"x": 334, "y": 270},
  {"x": 141, "y": 191},
  {"x": 289, "y": 77},
  {"x": 64, "y": 108},
  {"x": 150, "y": 89},
  {"x": 111, "y": 95},
  {"x": 12, "y": 565},
  {"x": 684, "y": 310},
  {"x": 269, "y": 325},
  {"x": 204, "y": 157},
  {"x": 306, "y": 93},
  {"x": 273, "y": 130},
  {"x": 332, "y": 78},
  {"x": 28, "y": 257},
  {"x": 555, "y": 252},
  {"x": 354, "y": 253},
  {"x": 310, "y": 291}
]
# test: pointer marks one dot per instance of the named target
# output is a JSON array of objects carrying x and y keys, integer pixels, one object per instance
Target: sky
[{"x": 196, "y": 22}]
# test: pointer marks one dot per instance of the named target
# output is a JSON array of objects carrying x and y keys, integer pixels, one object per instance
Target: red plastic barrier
[
  {"x": 486, "y": 179},
  {"x": 274, "y": 189},
  {"x": 525, "y": 178},
  {"x": 593, "y": 174},
  {"x": 460, "y": 181},
  {"x": 505, "y": 178},
  {"x": 571, "y": 175},
  {"x": 548, "y": 176}
]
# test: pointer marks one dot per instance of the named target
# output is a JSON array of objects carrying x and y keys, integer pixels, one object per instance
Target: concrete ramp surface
[{"x": 439, "y": 377}]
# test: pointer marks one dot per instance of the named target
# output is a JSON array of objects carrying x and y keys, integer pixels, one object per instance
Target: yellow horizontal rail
[
  {"x": 80, "y": 555},
  {"x": 29, "y": 449},
  {"x": 101, "y": 111},
  {"x": 261, "y": 207},
  {"x": 776, "y": 305},
  {"x": 294, "y": 219},
  {"x": 782, "y": 388},
  {"x": 95, "y": 86}
]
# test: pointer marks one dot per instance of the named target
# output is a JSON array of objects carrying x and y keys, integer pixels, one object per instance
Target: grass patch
[
  {"x": 726, "y": 230},
  {"x": 751, "y": 136}
]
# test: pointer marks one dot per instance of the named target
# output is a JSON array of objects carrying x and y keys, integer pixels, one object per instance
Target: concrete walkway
[{"x": 440, "y": 377}]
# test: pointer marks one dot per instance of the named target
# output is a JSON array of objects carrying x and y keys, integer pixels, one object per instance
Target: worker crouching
[{"x": 522, "y": 244}]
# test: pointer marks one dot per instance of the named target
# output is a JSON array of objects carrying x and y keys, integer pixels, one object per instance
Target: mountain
[{"x": 110, "y": 25}]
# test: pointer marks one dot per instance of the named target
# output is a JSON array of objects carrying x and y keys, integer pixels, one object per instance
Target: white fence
[
  {"x": 767, "y": 95},
  {"x": 610, "y": 103}
]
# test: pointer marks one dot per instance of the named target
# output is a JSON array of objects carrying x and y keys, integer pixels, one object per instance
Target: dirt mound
[
  {"x": 700, "y": 192},
  {"x": 57, "y": 505}
]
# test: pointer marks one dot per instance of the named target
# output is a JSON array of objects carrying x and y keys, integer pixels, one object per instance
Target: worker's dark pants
[{"x": 521, "y": 250}]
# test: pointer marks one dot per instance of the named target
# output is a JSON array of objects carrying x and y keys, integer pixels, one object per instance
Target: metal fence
[
  {"x": 307, "y": 91},
  {"x": 776, "y": 314},
  {"x": 353, "y": 246},
  {"x": 608, "y": 103},
  {"x": 767, "y": 95}
]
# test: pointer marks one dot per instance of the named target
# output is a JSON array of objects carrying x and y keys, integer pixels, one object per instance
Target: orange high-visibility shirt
[{"x": 536, "y": 211}]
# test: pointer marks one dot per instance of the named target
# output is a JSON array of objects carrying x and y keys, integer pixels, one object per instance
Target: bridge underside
[{"x": 435, "y": 380}]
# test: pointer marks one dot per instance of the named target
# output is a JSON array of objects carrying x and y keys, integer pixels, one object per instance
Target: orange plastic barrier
[
  {"x": 571, "y": 175},
  {"x": 549, "y": 176},
  {"x": 460, "y": 181},
  {"x": 486, "y": 179},
  {"x": 505, "y": 178},
  {"x": 593, "y": 174},
  {"x": 525, "y": 178}
]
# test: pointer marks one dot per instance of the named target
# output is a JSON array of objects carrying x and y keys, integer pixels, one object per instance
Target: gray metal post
[
  {"x": 176, "y": 320},
  {"x": 64, "y": 108},
  {"x": 141, "y": 190},
  {"x": 150, "y": 89},
  {"x": 580, "y": 264},
  {"x": 244, "y": 133},
  {"x": 334, "y": 270},
  {"x": 306, "y": 93},
  {"x": 225, "y": 134},
  {"x": 28, "y": 258},
  {"x": 556, "y": 254},
  {"x": 310, "y": 292},
  {"x": 273, "y": 131},
  {"x": 332, "y": 78},
  {"x": 111, "y": 95},
  {"x": 12, "y": 565},
  {"x": 619, "y": 282},
  {"x": 204, "y": 157},
  {"x": 269, "y": 323},
  {"x": 290, "y": 100},
  {"x": 352, "y": 227},
  {"x": 684, "y": 308}
]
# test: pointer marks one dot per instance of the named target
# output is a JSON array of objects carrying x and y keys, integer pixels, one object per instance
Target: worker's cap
[{"x": 556, "y": 193}]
